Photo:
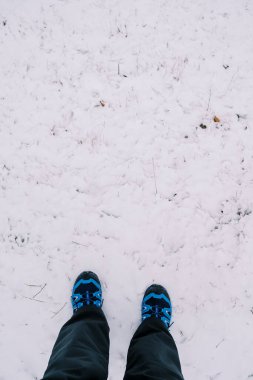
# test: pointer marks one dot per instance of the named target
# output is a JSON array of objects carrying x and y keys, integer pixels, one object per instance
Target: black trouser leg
[
  {"x": 81, "y": 351},
  {"x": 152, "y": 354}
]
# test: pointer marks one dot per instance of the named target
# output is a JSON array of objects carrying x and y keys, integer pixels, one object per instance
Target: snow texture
[{"x": 111, "y": 161}]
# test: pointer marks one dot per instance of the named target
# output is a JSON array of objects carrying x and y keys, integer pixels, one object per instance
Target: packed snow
[{"x": 126, "y": 146}]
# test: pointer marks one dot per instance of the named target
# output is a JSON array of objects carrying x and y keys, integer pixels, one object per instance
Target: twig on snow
[
  {"x": 33, "y": 299},
  {"x": 209, "y": 99},
  {"x": 57, "y": 312},
  {"x": 76, "y": 242},
  {"x": 217, "y": 345},
  {"x": 43, "y": 287}
]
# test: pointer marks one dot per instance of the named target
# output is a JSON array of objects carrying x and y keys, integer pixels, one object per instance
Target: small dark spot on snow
[
  {"x": 4, "y": 22},
  {"x": 203, "y": 126},
  {"x": 240, "y": 116},
  {"x": 226, "y": 67},
  {"x": 186, "y": 137}
]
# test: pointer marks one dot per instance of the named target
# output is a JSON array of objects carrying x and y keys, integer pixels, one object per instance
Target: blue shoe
[
  {"x": 156, "y": 304},
  {"x": 86, "y": 291}
]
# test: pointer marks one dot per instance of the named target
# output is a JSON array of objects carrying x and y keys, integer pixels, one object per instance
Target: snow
[{"x": 104, "y": 167}]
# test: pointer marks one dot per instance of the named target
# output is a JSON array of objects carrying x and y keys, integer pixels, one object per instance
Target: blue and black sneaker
[
  {"x": 86, "y": 291},
  {"x": 156, "y": 304}
]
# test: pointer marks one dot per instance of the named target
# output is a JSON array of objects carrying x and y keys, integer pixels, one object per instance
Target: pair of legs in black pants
[{"x": 81, "y": 351}]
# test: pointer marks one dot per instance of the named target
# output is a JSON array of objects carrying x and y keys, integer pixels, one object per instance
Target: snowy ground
[{"x": 104, "y": 166}]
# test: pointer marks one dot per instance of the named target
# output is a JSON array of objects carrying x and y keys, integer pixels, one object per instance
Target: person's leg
[
  {"x": 81, "y": 351},
  {"x": 152, "y": 354}
]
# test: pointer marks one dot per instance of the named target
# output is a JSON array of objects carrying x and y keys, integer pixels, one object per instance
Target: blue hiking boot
[
  {"x": 86, "y": 291},
  {"x": 156, "y": 304}
]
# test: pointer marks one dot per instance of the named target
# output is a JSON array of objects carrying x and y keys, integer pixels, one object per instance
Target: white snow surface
[{"x": 104, "y": 167}]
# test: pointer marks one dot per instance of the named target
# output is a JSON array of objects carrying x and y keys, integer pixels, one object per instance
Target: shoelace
[
  {"x": 157, "y": 311},
  {"x": 87, "y": 299}
]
